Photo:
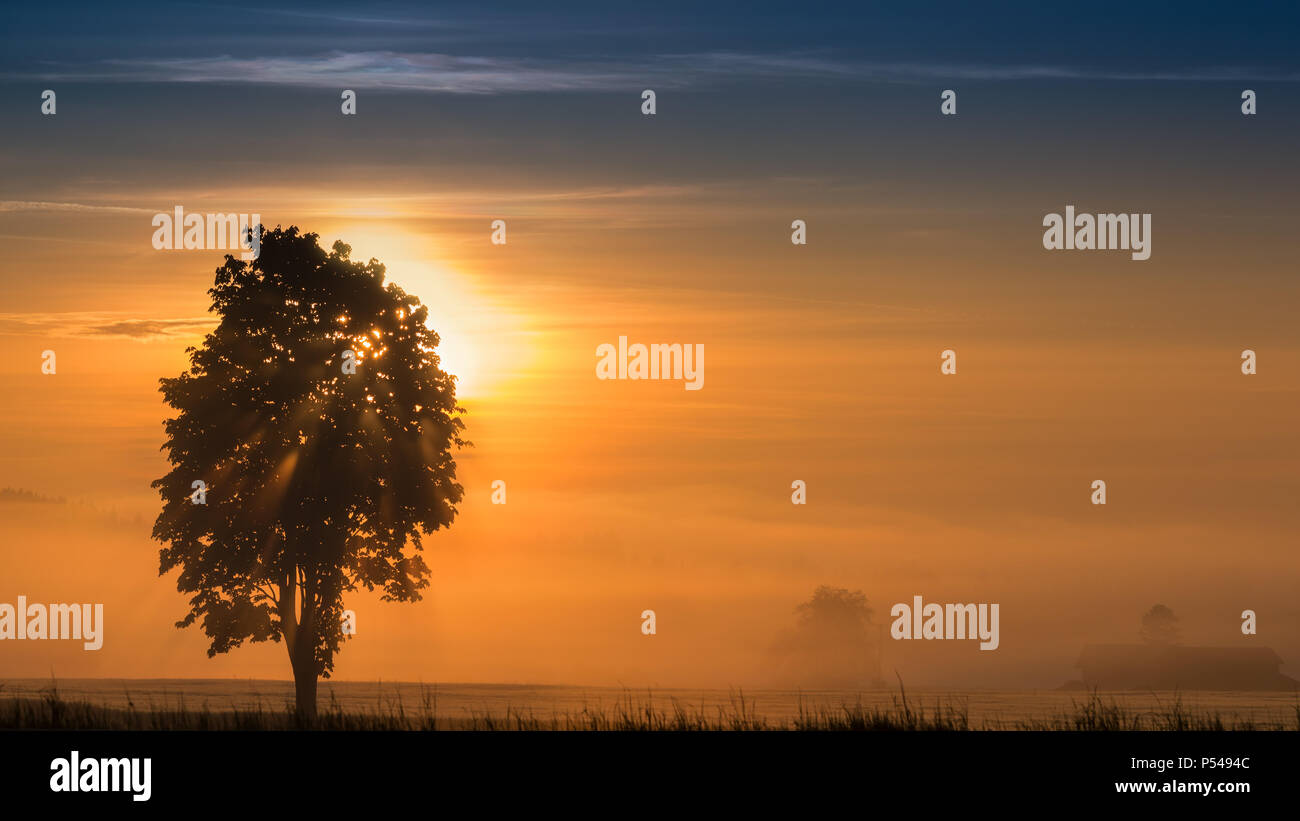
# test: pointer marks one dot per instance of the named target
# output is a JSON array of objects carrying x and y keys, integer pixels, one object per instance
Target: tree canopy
[
  {"x": 318, "y": 478},
  {"x": 1160, "y": 626},
  {"x": 833, "y": 642},
  {"x": 835, "y": 611}
]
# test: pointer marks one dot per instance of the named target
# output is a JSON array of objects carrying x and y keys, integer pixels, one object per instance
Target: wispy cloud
[
  {"x": 369, "y": 70},
  {"x": 12, "y": 206},
  {"x": 458, "y": 74},
  {"x": 404, "y": 22},
  {"x": 103, "y": 325}
]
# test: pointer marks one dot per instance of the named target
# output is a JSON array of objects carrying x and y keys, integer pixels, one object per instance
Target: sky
[{"x": 822, "y": 360}]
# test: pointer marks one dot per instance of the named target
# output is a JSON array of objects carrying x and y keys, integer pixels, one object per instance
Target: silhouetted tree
[
  {"x": 833, "y": 642},
  {"x": 1160, "y": 626},
  {"x": 317, "y": 480},
  {"x": 835, "y": 611}
]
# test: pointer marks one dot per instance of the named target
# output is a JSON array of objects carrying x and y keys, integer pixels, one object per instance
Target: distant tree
[
  {"x": 318, "y": 480},
  {"x": 835, "y": 611},
  {"x": 833, "y": 642},
  {"x": 1160, "y": 626}
]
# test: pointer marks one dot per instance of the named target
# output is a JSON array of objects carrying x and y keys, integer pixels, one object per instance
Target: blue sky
[{"x": 597, "y": 46}]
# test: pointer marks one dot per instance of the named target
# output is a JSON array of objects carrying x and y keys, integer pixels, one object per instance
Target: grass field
[{"x": 1091, "y": 713}]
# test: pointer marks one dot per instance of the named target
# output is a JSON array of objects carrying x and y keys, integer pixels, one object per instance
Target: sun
[
  {"x": 456, "y": 356},
  {"x": 460, "y": 316}
]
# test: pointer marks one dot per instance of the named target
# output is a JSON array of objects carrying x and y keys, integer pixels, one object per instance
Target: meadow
[{"x": 437, "y": 707}]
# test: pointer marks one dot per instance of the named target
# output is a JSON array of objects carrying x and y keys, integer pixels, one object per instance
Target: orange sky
[
  {"x": 624, "y": 496},
  {"x": 822, "y": 361}
]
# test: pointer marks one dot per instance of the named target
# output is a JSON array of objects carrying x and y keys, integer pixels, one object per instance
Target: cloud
[
  {"x": 459, "y": 74},
  {"x": 802, "y": 65},
  {"x": 369, "y": 70},
  {"x": 399, "y": 22},
  {"x": 9, "y": 206},
  {"x": 102, "y": 325}
]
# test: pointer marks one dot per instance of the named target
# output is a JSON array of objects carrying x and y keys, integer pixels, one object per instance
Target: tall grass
[{"x": 631, "y": 713}]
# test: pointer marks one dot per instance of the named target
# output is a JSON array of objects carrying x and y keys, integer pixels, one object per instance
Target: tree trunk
[
  {"x": 304, "y": 680},
  {"x": 300, "y": 640}
]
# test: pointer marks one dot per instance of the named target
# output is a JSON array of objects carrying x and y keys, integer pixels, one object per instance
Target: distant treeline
[
  {"x": 74, "y": 509},
  {"x": 11, "y": 494}
]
